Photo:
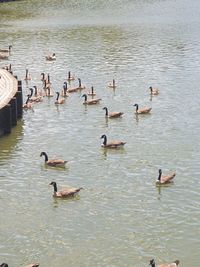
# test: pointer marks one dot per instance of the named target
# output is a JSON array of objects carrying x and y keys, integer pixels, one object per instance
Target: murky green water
[{"x": 120, "y": 218}]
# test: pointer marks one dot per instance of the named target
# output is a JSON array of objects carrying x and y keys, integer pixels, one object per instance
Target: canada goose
[
  {"x": 112, "y": 84},
  {"x": 27, "y": 76},
  {"x": 33, "y": 265},
  {"x": 173, "y": 264},
  {"x": 92, "y": 92},
  {"x": 142, "y": 110},
  {"x": 49, "y": 92},
  {"x": 90, "y": 101},
  {"x": 64, "y": 193},
  {"x": 53, "y": 162},
  {"x": 70, "y": 77},
  {"x": 80, "y": 86},
  {"x": 59, "y": 101},
  {"x": 8, "y": 67},
  {"x": 112, "y": 114},
  {"x": 34, "y": 98},
  {"x": 51, "y": 57},
  {"x": 153, "y": 91},
  {"x": 64, "y": 91},
  {"x": 4, "y": 264},
  {"x": 6, "y": 50},
  {"x": 28, "y": 105},
  {"x": 111, "y": 144},
  {"x": 37, "y": 93},
  {"x": 165, "y": 179}
]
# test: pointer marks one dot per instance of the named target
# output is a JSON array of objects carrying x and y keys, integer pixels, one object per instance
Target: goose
[
  {"x": 111, "y": 144},
  {"x": 153, "y": 91},
  {"x": 92, "y": 92},
  {"x": 59, "y": 101},
  {"x": 112, "y": 84},
  {"x": 51, "y": 57},
  {"x": 64, "y": 91},
  {"x": 142, "y": 110},
  {"x": 28, "y": 105},
  {"x": 38, "y": 93},
  {"x": 173, "y": 264},
  {"x": 53, "y": 162},
  {"x": 90, "y": 101},
  {"x": 8, "y": 67},
  {"x": 27, "y": 76},
  {"x": 112, "y": 114},
  {"x": 64, "y": 193},
  {"x": 70, "y": 77},
  {"x": 34, "y": 98},
  {"x": 6, "y": 50},
  {"x": 80, "y": 86},
  {"x": 49, "y": 91},
  {"x": 165, "y": 179},
  {"x": 4, "y": 264}
]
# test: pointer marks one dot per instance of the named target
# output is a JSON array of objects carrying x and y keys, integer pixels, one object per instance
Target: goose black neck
[
  {"x": 79, "y": 82},
  {"x": 27, "y": 99},
  {"x": 26, "y": 73},
  {"x": 35, "y": 90},
  {"x": 136, "y": 106},
  {"x": 55, "y": 187},
  {"x": 48, "y": 78},
  {"x": 31, "y": 89},
  {"x": 45, "y": 156},
  {"x": 153, "y": 264},
  {"x": 85, "y": 96},
  {"x": 92, "y": 88},
  {"x": 57, "y": 95},
  {"x": 159, "y": 176},
  {"x": 106, "y": 109},
  {"x": 69, "y": 75},
  {"x": 113, "y": 82},
  {"x": 104, "y": 140}
]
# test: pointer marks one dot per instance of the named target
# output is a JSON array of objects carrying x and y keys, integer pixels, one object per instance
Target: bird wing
[
  {"x": 115, "y": 114},
  {"x": 54, "y": 162},
  {"x": 167, "y": 178}
]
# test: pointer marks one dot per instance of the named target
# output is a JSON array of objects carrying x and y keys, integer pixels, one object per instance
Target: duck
[
  {"x": 6, "y": 50},
  {"x": 70, "y": 77},
  {"x": 92, "y": 92},
  {"x": 165, "y": 179},
  {"x": 90, "y": 101},
  {"x": 59, "y": 101},
  {"x": 51, "y": 57},
  {"x": 64, "y": 91},
  {"x": 28, "y": 105},
  {"x": 111, "y": 144},
  {"x": 53, "y": 162},
  {"x": 153, "y": 91},
  {"x": 27, "y": 76},
  {"x": 173, "y": 264},
  {"x": 112, "y": 84},
  {"x": 112, "y": 114},
  {"x": 64, "y": 193},
  {"x": 142, "y": 110}
]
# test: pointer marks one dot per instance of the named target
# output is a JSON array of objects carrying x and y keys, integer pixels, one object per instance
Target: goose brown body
[
  {"x": 64, "y": 193},
  {"x": 6, "y": 50},
  {"x": 90, "y": 101},
  {"x": 33, "y": 265},
  {"x": 112, "y": 114},
  {"x": 111, "y": 144},
  {"x": 173, "y": 264},
  {"x": 165, "y": 179},
  {"x": 53, "y": 162},
  {"x": 144, "y": 110},
  {"x": 28, "y": 105}
]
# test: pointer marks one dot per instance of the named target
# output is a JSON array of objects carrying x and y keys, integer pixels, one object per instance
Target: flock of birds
[{"x": 36, "y": 95}]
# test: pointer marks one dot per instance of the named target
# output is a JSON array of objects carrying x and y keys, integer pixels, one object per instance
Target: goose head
[
  {"x": 4, "y": 264},
  {"x": 54, "y": 186},
  {"x": 85, "y": 96}
]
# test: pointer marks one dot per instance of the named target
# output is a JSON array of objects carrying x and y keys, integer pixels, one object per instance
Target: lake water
[{"x": 120, "y": 218}]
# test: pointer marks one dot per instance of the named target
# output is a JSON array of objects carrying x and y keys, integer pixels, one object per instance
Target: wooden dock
[{"x": 11, "y": 101}]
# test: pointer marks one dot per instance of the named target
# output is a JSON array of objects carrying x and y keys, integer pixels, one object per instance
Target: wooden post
[
  {"x": 13, "y": 103},
  {"x": 19, "y": 104},
  {"x": 6, "y": 119}
]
